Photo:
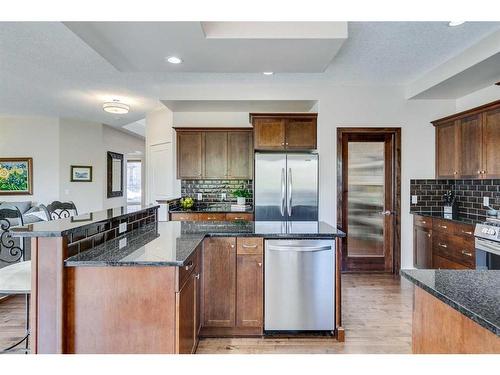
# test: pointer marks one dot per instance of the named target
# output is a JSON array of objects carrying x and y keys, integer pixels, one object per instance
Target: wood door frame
[{"x": 396, "y": 193}]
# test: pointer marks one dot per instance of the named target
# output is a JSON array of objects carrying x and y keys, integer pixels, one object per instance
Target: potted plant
[{"x": 241, "y": 195}]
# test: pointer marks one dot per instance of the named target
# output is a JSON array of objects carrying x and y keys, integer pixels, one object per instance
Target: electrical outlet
[
  {"x": 223, "y": 196},
  {"x": 122, "y": 228},
  {"x": 199, "y": 196},
  {"x": 486, "y": 201},
  {"x": 414, "y": 199},
  {"x": 122, "y": 243}
]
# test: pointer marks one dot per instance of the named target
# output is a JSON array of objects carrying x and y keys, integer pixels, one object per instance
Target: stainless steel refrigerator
[{"x": 286, "y": 187}]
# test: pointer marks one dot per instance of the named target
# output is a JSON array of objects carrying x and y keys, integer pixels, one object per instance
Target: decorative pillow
[
  {"x": 35, "y": 212},
  {"x": 22, "y": 206}
]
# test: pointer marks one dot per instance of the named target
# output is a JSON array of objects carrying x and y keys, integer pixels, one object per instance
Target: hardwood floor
[
  {"x": 377, "y": 313},
  {"x": 12, "y": 320}
]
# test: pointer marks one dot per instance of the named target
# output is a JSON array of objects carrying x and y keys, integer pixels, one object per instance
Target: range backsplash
[
  {"x": 212, "y": 190},
  {"x": 469, "y": 195}
]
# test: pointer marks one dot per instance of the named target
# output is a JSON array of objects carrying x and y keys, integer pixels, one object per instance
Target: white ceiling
[
  {"x": 47, "y": 70},
  {"x": 220, "y": 47}
]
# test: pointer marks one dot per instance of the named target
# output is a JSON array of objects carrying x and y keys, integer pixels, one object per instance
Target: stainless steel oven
[{"x": 488, "y": 245}]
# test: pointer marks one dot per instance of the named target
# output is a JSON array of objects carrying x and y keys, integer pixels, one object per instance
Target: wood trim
[
  {"x": 48, "y": 295},
  {"x": 215, "y": 129},
  {"x": 341, "y": 177},
  {"x": 231, "y": 331},
  {"x": 251, "y": 116},
  {"x": 469, "y": 112}
]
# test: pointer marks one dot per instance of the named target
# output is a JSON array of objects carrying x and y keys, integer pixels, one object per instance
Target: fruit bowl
[{"x": 187, "y": 203}]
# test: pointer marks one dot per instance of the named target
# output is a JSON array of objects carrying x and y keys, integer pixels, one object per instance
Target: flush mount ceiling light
[
  {"x": 268, "y": 73},
  {"x": 455, "y": 23},
  {"x": 174, "y": 60},
  {"x": 116, "y": 108}
]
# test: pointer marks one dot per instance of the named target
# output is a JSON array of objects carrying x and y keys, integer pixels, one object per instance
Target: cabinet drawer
[
  {"x": 183, "y": 216},
  {"x": 249, "y": 245},
  {"x": 241, "y": 216},
  {"x": 455, "y": 248},
  {"x": 443, "y": 263},
  {"x": 422, "y": 221},
  {"x": 212, "y": 217},
  {"x": 450, "y": 227},
  {"x": 192, "y": 263}
]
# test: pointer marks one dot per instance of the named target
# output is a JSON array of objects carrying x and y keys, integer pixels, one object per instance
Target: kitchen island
[
  {"x": 159, "y": 286},
  {"x": 455, "y": 311}
]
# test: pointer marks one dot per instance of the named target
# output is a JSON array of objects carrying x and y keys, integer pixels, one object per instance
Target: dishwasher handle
[{"x": 299, "y": 248}]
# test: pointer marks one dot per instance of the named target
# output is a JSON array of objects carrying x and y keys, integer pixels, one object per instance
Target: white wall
[
  {"x": 133, "y": 148},
  {"x": 216, "y": 119},
  {"x": 56, "y": 144},
  {"x": 477, "y": 98},
  {"x": 81, "y": 144},
  {"x": 36, "y": 137},
  {"x": 348, "y": 106},
  {"x": 160, "y": 167}
]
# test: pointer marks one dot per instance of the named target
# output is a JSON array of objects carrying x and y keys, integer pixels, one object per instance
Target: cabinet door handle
[
  {"x": 466, "y": 232},
  {"x": 197, "y": 276},
  {"x": 189, "y": 265},
  {"x": 259, "y": 264},
  {"x": 428, "y": 234},
  {"x": 249, "y": 246},
  {"x": 443, "y": 226},
  {"x": 424, "y": 222},
  {"x": 479, "y": 172},
  {"x": 456, "y": 172},
  {"x": 442, "y": 245},
  {"x": 465, "y": 252}
]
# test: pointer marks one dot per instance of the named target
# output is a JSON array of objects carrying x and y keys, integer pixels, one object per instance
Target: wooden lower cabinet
[
  {"x": 232, "y": 287},
  {"x": 186, "y": 316},
  {"x": 249, "y": 287},
  {"x": 445, "y": 244},
  {"x": 219, "y": 282}
]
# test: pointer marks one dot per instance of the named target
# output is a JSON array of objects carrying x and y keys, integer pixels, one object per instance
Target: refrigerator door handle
[
  {"x": 289, "y": 205},
  {"x": 282, "y": 208}
]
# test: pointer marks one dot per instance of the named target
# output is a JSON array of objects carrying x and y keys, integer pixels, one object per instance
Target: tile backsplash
[
  {"x": 212, "y": 190},
  {"x": 469, "y": 195}
]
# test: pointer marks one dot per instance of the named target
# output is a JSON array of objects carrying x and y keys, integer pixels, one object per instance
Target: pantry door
[{"x": 369, "y": 200}]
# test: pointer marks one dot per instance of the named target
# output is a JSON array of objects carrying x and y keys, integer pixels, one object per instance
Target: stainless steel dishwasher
[{"x": 299, "y": 285}]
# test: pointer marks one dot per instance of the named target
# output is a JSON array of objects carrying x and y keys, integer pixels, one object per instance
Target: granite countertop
[
  {"x": 62, "y": 227},
  {"x": 171, "y": 243},
  {"x": 439, "y": 215},
  {"x": 475, "y": 294},
  {"x": 218, "y": 207}
]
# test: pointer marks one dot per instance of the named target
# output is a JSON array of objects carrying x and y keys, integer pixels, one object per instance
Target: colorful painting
[{"x": 16, "y": 176}]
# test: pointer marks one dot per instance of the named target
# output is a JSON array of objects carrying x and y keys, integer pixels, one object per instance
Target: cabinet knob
[
  {"x": 287, "y": 143},
  {"x": 479, "y": 172},
  {"x": 282, "y": 143},
  {"x": 456, "y": 172},
  {"x": 428, "y": 234},
  {"x": 197, "y": 276},
  {"x": 465, "y": 252},
  {"x": 260, "y": 264},
  {"x": 443, "y": 245}
]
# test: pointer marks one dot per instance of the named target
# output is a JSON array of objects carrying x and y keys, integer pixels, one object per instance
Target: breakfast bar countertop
[
  {"x": 474, "y": 293},
  {"x": 171, "y": 243}
]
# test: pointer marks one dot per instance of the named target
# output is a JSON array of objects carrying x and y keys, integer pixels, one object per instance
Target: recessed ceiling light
[
  {"x": 116, "y": 107},
  {"x": 455, "y": 23},
  {"x": 268, "y": 73},
  {"x": 174, "y": 60}
]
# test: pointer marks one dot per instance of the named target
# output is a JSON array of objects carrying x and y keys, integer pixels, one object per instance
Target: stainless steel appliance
[
  {"x": 286, "y": 187},
  {"x": 299, "y": 285},
  {"x": 488, "y": 245}
]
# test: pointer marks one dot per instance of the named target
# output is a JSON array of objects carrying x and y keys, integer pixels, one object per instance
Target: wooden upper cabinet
[
  {"x": 447, "y": 150},
  {"x": 284, "y": 131},
  {"x": 470, "y": 146},
  {"x": 215, "y": 154},
  {"x": 219, "y": 282},
  {"x": 301, "y": 134},
  {"x": 269, "y": 134},
  {"x": 468, "y": 141},
  {"x": 189, "y": 155},
  {"x": 491, "y": 143},
  {"x": 240, "y": 155}
]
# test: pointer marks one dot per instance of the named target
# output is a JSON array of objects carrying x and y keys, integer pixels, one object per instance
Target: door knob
[{"x": 386, "y": 213}]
